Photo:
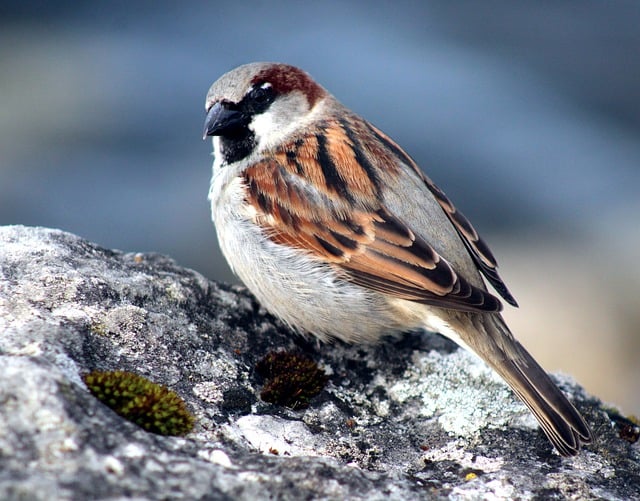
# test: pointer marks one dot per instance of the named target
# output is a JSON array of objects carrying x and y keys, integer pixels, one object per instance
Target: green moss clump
[
  {"x": 145, "y": 403},
  {"x": 292, "y": 379}
]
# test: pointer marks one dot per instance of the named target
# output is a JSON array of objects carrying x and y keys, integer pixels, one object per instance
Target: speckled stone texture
[{"x": 410, "y": 418}]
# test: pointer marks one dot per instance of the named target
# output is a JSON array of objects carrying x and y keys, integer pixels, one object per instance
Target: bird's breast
[{"x": 307, "y": 294}]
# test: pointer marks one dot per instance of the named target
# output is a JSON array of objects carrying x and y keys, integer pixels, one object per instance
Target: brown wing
[
  {"x": 476, "y": 246},
  {"x": 318, "y": 194}
]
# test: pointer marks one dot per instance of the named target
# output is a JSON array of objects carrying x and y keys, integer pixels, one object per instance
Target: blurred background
[{"x": 526, "y": 113}]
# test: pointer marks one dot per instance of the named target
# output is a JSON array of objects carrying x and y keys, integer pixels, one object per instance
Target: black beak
[{"x": 221, "y": 119}]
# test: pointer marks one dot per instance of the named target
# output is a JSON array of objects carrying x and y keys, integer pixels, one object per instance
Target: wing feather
[
  {"x": 476, "y": 246},
  {"x": 303, "y": 198}
]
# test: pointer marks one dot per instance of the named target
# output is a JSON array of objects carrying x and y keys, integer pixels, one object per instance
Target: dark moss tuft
[
  {"x": 292, "y": 379},
  {"x": 149, "y": 405}
]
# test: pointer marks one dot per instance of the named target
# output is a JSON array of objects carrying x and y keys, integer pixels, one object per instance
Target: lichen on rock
[{"x": 405, "y": 419}]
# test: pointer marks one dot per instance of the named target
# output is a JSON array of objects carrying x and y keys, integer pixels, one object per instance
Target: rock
[{"x": 409, "y": 418}]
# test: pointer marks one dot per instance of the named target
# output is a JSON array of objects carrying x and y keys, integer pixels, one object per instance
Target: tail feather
[{"x": 559, "y": 419}]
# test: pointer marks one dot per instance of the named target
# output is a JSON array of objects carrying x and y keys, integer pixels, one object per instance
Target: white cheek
[
  {"x": 269, "y": 130},
  {"x": 283, "y": 120}
]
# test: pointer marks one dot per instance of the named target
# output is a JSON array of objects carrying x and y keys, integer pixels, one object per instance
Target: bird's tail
[{"x": 561, "y": 422}]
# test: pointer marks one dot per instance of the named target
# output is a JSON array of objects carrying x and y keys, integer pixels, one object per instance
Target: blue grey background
[{"x": 526, "y": 113}]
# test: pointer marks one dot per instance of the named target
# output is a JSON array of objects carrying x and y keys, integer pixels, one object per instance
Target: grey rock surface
[{"x": 410, "y": 418}]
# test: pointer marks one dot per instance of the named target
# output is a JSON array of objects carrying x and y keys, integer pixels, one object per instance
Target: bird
[{"x": 338, "y": 232}]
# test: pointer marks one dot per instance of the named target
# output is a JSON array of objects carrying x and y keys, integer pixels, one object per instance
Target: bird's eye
[
  {"x": 261, "y": 95},
  {"x": 259, "y": 98}
]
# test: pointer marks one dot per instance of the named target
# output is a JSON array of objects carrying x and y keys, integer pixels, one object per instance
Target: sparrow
[{"x": 339, "y": 233}]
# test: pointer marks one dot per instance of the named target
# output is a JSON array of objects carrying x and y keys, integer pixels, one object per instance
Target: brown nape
[{"x": 285, "y": 78}]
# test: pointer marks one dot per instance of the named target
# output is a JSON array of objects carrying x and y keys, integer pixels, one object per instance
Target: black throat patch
[{"x": 237, "y": 146}]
